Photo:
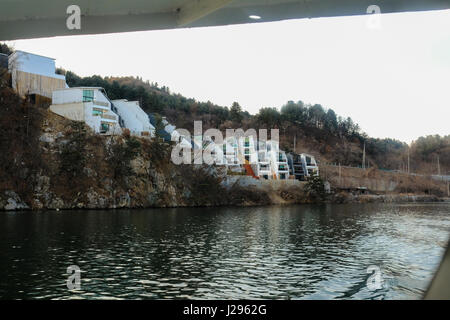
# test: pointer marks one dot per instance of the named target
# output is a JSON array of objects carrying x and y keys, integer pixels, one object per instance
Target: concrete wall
[
  {"x": 67, "y": 96},
  {"x": 29, "y": 83},
  {"x": 83, "y": 112},
  {"x": 246, "y": 181},
  {"x": 72, "y": 111},
  {"x": 75, "y": 95},
  {"x": 374, "y": 180},
  {"x": 92, "y": 121},
  {"x": 376, "y": 185}
]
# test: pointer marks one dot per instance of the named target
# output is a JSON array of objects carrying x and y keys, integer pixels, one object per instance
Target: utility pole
[
  {"x": 439, "y": 166},
  {"x": 364, "y": 156},
  {"x": 408, "y": 160},
  {"x": 340, "y": 182},
  {"x": 295, "y": 136},
  {"x": 448, "y": 188}
]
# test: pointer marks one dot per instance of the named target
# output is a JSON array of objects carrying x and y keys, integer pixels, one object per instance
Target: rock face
[
  {"x": 80, "y": 170},
  {"x": 12, "y": 202},
  {"x": 107, "y": 177}
]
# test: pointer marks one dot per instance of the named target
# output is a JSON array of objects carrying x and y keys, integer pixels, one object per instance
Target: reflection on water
[{"x": 294, "y": 252}]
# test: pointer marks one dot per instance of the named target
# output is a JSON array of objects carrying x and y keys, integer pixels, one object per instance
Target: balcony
[
  {"x": 109, "y": 117},
  {"x": 100, "y": 103},
  {"x": 104, "y": 128},
  {"x": 281, "y": 157}
]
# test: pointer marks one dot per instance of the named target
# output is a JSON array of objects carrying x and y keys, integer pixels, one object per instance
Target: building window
[
  {"x": 88, "y": 95},
  {"x": 104, "y": 128}
]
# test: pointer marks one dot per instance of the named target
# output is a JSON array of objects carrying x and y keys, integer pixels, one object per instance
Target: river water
[{"x": 276, "y": 252}]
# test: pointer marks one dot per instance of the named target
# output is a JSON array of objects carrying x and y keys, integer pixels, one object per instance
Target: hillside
[
  {"x": 317, "y": 130},
  {"x": 49, "y": 162}
]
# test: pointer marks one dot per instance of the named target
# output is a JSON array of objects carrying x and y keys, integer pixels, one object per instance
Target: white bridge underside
[{"x": 25, "y": 19}]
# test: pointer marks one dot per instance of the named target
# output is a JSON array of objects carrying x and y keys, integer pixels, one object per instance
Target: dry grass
[{"x": 378, "y": 180}]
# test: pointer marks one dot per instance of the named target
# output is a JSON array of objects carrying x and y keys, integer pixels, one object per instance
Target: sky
[{"x": 394, "y": 80}]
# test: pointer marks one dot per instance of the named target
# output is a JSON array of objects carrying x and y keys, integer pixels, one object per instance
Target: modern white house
[
  {"x": 180, "y": 139},
  {"x": 309, "y": 164},
  {"x": 278, "y": 161},
  {"x": 245, "y": 155},
  {"x": 169, "y": 128},
  {"x": 264, "y": 169},
  {"x": 87, "y": 104},
  {"x": 302, "y": 165},
  {"x": 34, "y": 74},
  {"x": 134, "y": 118},
  {"x": 230, "y": 153},
  {"x": 247, "y": 148},
  {"x": 213, "y": 150}
]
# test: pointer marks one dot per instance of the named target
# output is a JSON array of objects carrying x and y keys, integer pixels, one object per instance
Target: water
[{"x": 294, "y": 252}]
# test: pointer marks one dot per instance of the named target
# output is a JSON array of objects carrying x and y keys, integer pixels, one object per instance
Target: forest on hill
[
  {"x": 314, "y": 128},
  {"x": 317, "y": 130}
]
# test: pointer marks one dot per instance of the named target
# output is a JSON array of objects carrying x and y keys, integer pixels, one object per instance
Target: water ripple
[{"x": 295, "y": 252}]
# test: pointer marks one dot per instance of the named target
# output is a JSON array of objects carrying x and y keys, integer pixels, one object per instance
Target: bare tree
[{"x": 7, "y": 73}]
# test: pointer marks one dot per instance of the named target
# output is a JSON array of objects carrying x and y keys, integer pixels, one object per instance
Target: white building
[
  {"x": 230, "y": 152},
  {"x": 134, "y": 118},
  {"x": 309, "y": 164},
  {"x": 302, "y": 165},
  {"x": 87, "y": 104},
  {"x": 34, "y": 74},
  {"x": 169, "y": 128},
  {"x": 178, "y": 137},
  {"x": 278, "y": 161},
  {"x": 264, "y": 169},
  {"x": 214, "y": 150},
  {"x": 247, "y": 149}
]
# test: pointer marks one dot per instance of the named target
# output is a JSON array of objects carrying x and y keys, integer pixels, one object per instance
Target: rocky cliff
[
  {"x": 55, "y": 163},
  {"x": 79, "y": 169}
]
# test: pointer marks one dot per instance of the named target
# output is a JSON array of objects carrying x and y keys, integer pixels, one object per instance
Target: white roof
[
  {"x": 33, "y": 54},
  {"x": 80, "y": 88}
]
